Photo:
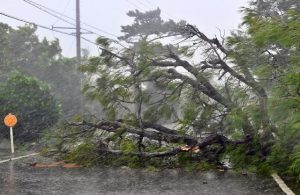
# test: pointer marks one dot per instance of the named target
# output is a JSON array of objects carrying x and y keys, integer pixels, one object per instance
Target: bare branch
[
  {"x": 195, "y": 31},
  {"x": 116, "y": 126}
]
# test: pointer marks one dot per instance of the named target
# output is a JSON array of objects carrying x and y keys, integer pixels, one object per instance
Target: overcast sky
[{"x": 109, "y": 15}]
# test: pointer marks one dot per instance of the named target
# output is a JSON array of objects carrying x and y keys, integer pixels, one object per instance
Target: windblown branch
[
  {"x": 195, "y": 31},
  {"x": 170, "y": 137},
  {"x": 154, "y": 126},
  {"x": 159, "y": 128},
  {"x": 117, "y": 127},
  {"x": 210, "y": 91},
  {"x": 256, "y": 87},
  {"x": 248, "y": 79}
]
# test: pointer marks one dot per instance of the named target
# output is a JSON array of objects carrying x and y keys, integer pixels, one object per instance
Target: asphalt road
[{"x": 18, "y": 177}]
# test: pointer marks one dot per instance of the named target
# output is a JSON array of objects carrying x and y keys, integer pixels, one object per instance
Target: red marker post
[{"x": 11, "y": 120}]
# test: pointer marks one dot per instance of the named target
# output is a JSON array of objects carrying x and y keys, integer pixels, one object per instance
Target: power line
[
  {"x": 165, "y": 13},
  {"x": 142, "y": 3},
  {"x": 150, "y": 2},
  {"x": 48, "y": 28},
  {"x": 53, "y": 30},
  {"x": 49, "y": 10},
  {"x": 70, "y": 34},
  {"x": 134, "y": 5},
  {"x": 148, "y": 7},
  {"x": 67, "y": 5},
  {"x": 43, "y": 8},
  {"x": 32, "y": 23}
]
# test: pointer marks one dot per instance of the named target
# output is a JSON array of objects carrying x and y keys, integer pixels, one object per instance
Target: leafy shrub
[
  {"x": 33, "y": 104},
  {"x": 295, "y": 166}
]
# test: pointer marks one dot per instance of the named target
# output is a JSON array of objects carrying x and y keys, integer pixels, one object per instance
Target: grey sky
[{"x": 109, "y": 15}]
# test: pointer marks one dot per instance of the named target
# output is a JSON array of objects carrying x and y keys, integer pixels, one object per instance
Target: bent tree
[{"x": 172, "y": 73}]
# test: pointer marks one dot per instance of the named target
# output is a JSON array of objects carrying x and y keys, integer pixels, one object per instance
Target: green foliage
[
  {"x": 279, "y": 159},
  {"x": 128, "y": 145},
  {"x": 53, "y": 138},
  {"x": 121, "y": 80},
  {"x": 238, "y": 156},
  {"x": 33, "y": 104},
  {"x": 253, "y": 163},
  {"x": 253, "y": 112},
  {"x": 237, "y": 135},
  {"x": 158, "y": 112},
  {"x": 266, "y": 31},
  {"x": 265, "y": 59},
  {"x": 263, "y": 168},
  {"x": 24, "y": 51},
  {"x": 133, "y": 162},
  {"x": 85, "y": 154},
  {"x": 190, "y": 113},
  {"x": 151, "y": 169},
  {"x": 183, "y": 159},
  {"x": 147, "y": 24},
  {"x": 103, "y": 41},
  {"x": 198, "y": 166},
  {"x": 188, "y": 163},
  {"x": 295, "y": 165},
  {"x": 127, "y": 159},
  {"x": 235, "y": 120}
]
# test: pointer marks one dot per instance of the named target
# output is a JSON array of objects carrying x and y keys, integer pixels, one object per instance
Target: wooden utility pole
[{"x": 78, "y": 33}]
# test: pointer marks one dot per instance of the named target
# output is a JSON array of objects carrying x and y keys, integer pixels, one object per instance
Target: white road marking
[
  {"x": 282, "y": 185},
  {"x": 19, "y": 157},
  {"x": 3, "y": 161}
]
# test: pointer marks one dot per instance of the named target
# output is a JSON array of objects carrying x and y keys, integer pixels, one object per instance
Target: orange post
[{"x": 11, "y": 120}]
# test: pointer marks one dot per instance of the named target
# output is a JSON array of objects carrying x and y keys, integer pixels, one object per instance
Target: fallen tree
[
  {"x": 243, "y": 90},
  {"x": 185, "y": 143},
  {"x": 151, "y": 83}
]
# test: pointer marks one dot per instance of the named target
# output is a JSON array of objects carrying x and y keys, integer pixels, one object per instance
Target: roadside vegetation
[{"x": 173, "y": 97}]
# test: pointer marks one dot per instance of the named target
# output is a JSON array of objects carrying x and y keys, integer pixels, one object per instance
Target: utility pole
[{"x": 78, "y": 33}]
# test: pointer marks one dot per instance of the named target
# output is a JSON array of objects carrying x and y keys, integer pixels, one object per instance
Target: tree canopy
[
  {"x": 24, "y": 51},
  {"x": 33, "y": 104},
  {"x": 234, "y": 88}
]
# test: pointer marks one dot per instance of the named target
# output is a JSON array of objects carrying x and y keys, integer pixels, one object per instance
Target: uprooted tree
[
  {"x": 213, "y": 91},
  {"x": 197, "y": 83}
]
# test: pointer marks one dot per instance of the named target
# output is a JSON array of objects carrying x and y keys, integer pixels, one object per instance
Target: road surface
[{"x": 18, "y": 177}]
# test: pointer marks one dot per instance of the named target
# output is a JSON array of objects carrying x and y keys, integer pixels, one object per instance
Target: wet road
[
  {"x": 4, "y": 153},
  {"x": 18, "y": 177}
]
